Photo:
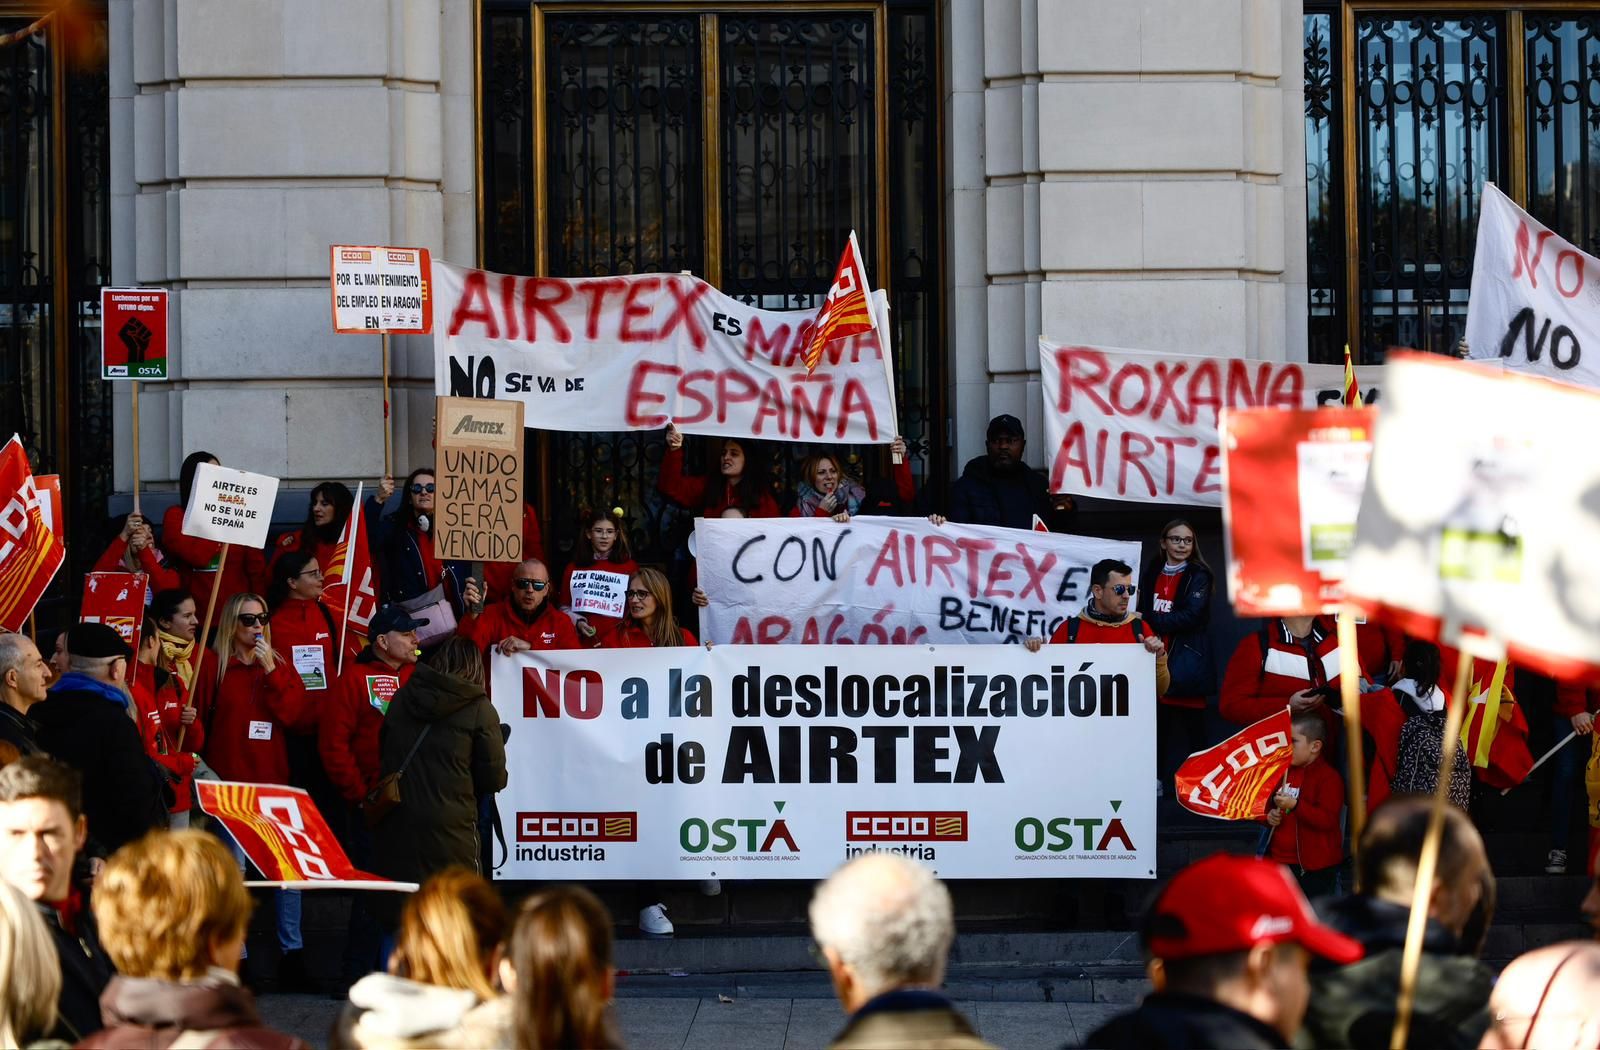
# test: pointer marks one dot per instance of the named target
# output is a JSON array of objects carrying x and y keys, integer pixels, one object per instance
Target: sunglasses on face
[
  {"x": 641, "y": 595},
  {"x": 417, "y": 490},
  {"x": 531, "y": 585},
  {"x": 253, "y": 619},
  {"x": 1124, "y": 588}
]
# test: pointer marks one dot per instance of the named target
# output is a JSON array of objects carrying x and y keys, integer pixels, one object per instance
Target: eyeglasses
[
  {"x": 1185, "y": 540},
  {"x": 531, "y": 585},
  {"x": 641, "y": 595},
  {"x": 309, "y": 572},
  {"x": 253, "y": 619},
  {"x": 418, "y": 489},
  {"x": 1124, "y": 588}
]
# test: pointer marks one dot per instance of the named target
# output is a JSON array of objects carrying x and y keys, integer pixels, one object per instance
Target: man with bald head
[
  {"x": 1547, "y": 998},
  {"x": 884, "y": 925},
  {"x": 527, "y": 619}
]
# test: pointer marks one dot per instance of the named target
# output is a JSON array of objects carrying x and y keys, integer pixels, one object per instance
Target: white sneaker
[
  {"x": 1556, "y": 863},
  {"x": 710, "y": 887},
  {"x": 653, "y": 921}
]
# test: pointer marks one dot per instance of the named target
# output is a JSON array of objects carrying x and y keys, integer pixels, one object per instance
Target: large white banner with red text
[
  {"x": 638, "y": 352},
  {"x": 1142, "y": 426},
  {"x": 890, "y": 581},
  {"x": 1535, "y": 304},
  {"x": 782, "y": 762}
]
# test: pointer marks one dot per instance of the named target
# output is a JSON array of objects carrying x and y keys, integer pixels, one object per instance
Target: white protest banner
[
  {"x": 1535, "y": 303},
  {"x": 597, "y": 591},
  {"x": 1479, "y": 521},
  {"x": 1141, "y": 426},
  {"x": 782, "y": 762},
  {"x": 892, "y": 581},
  {"x": 378, "y": 289},
  {"x": 230, "y": 506},
  {"x": 637, "y": 352}
]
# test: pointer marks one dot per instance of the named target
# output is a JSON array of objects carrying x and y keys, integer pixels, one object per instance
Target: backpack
[
  {"x": 1074, "y": 622},
  {"x": 1416, "y": 771}
]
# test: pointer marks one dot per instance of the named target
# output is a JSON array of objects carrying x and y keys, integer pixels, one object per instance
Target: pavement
[{"x": 680, "y": 1022}]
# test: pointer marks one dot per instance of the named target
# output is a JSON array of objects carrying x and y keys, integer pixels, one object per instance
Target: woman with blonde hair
[
  {"x": 440, "y": 989},
  {"x": 649, "y": 622},
  {"x": 558, "y": 971},
  {"x": 825, "y": 490},
  {"x": 30, "y": 971}
]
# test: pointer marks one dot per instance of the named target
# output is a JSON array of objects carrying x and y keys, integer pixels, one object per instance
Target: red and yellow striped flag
[
  {"x": 1352, "y": 392},
  {"x": 1236, "y": 779},
  {"x": 30, "y": 554},
  {"x": 848, "y": 309}
]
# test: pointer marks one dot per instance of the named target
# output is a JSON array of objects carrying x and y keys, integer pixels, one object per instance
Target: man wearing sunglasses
[
  {"x": 1108, "y": 618},
  {"x": 525, "y": 620}
]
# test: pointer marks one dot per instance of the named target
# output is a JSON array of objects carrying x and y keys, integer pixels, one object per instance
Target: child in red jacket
[{"x": 1304, "y": 814}]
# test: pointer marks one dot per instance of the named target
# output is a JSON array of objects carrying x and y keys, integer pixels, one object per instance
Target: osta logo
[
  {"x": 595, "y": 829},
  {"x": 757, "y": 837},
  {"x": 1080, "y": 837},
  {"x": 910, "y": 833}
]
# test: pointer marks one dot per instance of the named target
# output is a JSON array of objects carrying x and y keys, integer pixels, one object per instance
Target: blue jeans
[{"x": 1565, "y": 782}]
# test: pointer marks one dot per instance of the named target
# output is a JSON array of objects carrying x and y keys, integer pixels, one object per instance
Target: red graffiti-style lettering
[
  {"x": 633, "y": 310},
  {"x": 1210, "y": 477},
  {"x": 1288, "y": 388},
  {"x": 536, "y": 304},
  {"x": 998, "y": 573},
  {"x": 1172, "y": 444},
  {"x": 1167, "y": 377},
  {"x": 888, "y": 559},
  {"x": 1119, "y": 385},
  {"x": 1082, "y": 371},
  {"x": 683, "y": 301},
  {"x": 597, "y": 290},
  {"x": 690, "y": 389},
  {"x": 1037, "y": 573},
  {"x": 794, "y": 406},
  {"x": 1522, "y": 262},
  {"x": 474, "y": 306},
  {"x": 732, "y": 388},
  {"x": 508, "y": 298},
  {"x": 758, "y": 344},
  {"x": 641, "y": 400},
  {"x": 1133, "y": 459}
]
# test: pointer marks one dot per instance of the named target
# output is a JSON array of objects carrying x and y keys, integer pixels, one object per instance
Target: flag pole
[
  {"x": 134, "y": 396},
  {"x": 205, "y": 629},
  {"x": 349, "y": 547},
  {"x": 388, "y": 441},
  {"x": 1547, "y": 756},
  {"x": 1428, "y": 862},
  {"x": 1355, "y": 755}
]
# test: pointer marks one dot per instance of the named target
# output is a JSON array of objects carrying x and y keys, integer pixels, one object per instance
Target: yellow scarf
[{"x": 177, "y": 656}]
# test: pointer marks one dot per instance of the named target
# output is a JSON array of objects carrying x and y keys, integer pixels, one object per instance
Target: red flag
[
  {"x": 1236, "y": 779},
  {"x": 1039, "y": 525},
  {"x": 1352, "y": 390},
  {"x": 285, "y": 837},
  {"x": 848, "y": 308},
  {"x": 352, "y": 561},
  {"x": 116, "y": 599},
  {"x": 30, "y": 554}
]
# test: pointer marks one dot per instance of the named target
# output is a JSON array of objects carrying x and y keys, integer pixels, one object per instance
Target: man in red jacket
[
  {"x": 526, "y": 620},
  {"x": 1106, "y": 618}
]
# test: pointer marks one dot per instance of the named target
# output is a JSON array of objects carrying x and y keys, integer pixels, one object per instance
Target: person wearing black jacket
[
  {"x": 42, "y": 834},
  {"x": 86, "y": 723},
  {"x": 461, "y": 759},
  {"x": 1175, "y": 601},
  {"x": 402, "y": 543},
  {"x": 997, "y": 488},
  {"x": 23, "y": 674}
]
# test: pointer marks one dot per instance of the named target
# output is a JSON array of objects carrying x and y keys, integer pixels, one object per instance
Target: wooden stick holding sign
[
  {"x": 1428, "y": 862},
  {"x": 227, "y": 507},
  {"x": 205, "y": 630},
  {"x": 388, "y": 427},
  {"x": 1350, "y": 703},
  {"x": 133, "y": 394}
]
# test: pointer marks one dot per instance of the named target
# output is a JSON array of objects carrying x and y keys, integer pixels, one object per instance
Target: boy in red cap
[
  {"x": 1304, "y": 815},
  {"x": 1229, "y": 941}
]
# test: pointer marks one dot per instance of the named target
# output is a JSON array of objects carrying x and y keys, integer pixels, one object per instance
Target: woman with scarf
[
  {"x": 196, "y": 560},
  {"x": 177, "y": 620},
  {"x": 649, "y": 622},
  {"x": 326, "y": 519},
  {"x": 826, "y": 490},
  {"x": 602, "y": 547},
  {"x": 161, "y": 705}
]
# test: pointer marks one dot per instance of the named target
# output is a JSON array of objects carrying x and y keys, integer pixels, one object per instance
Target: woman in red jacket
[
  {"x": 649, "y": 622},
  {"x": 134, "y": 550},
  {"x": 177, "y": 621},
  {"x": 602, "y": 547},
  {"x": 162, "y": 705},
  {"x": 741, "y": 480},
  {"x": 326, "y": 519},
  {"x": 249, "y": 699},
  {"x": 304, "y": 628},
  {"x": 196, "y": 560}
]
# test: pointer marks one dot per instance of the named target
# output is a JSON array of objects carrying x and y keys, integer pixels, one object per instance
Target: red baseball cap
[{"x": 1229, "y": 904}]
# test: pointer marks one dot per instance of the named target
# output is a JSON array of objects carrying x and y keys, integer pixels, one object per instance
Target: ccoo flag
[
  {"x": 30, "y": 554},
  {"x": 848, "y": 308},
  {"x": 1237, "y": 778}
]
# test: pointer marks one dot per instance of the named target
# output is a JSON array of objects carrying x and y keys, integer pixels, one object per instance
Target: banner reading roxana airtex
[
  {"x": 636, "y": 352},
  {"x": 782, "y": 762}
]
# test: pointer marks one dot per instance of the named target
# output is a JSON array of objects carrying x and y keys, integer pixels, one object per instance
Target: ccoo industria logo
[
  {"x": 593, "y": 830},
  {"x": 910, "y": 833}
]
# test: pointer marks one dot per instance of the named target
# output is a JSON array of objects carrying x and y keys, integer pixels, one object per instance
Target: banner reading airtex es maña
[
  {"x": 783, "y": 761},
  {"x": 639, "y": 351}
]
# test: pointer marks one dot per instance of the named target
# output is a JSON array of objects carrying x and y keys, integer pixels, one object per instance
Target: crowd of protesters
[{"x": 101, "y": 744}]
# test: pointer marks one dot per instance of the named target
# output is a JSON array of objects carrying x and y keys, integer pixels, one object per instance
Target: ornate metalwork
[
  {"x": 1430, "y": 129},
  {"x": 508, "y": 236},
  {"x": 1325, "y": 236},
  {"x": 1563, "y": 124}
]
